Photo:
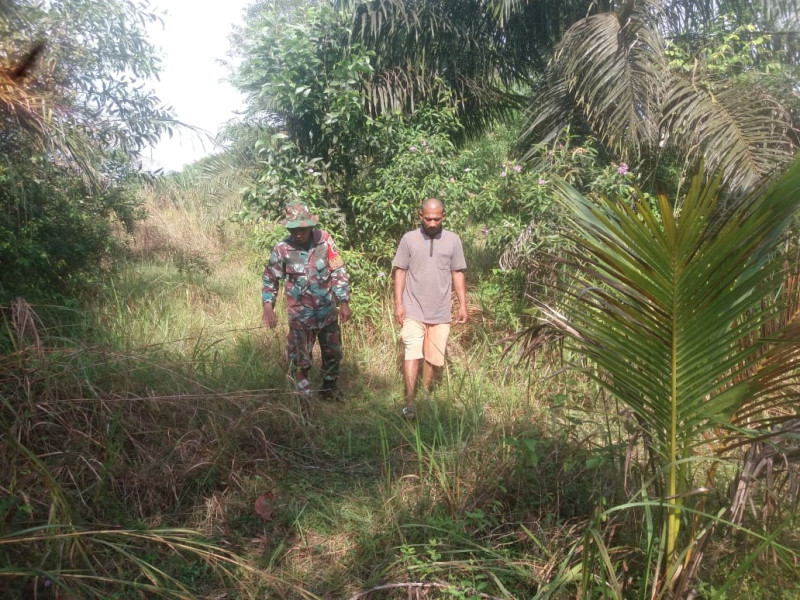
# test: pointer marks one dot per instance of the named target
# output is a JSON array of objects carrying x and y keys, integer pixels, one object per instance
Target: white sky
[{"x": 194, "y": 38}]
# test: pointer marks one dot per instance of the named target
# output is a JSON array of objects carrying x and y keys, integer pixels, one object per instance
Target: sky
[{"x": 191, "y": 42}]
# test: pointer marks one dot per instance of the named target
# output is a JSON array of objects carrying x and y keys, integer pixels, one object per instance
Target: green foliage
[
  {"x": 670, "y": 308},
  {"x": 302, "y": 71},
  {"x": 502, "y": 295},
  {"x": 371, "y": 285},
  {"x": 727, "y": 49},
  {"x": 419, "y": 162},
  {"x": 263, "y": 238},
  {"x": 64, "y": 182},
  {"x": 54, "y": 236}
]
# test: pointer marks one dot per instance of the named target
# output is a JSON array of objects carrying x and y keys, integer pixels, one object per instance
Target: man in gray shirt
[{"x": 428, "y": 265}]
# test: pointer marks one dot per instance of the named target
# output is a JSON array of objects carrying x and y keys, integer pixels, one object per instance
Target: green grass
[{"x": 140, "y": 431}]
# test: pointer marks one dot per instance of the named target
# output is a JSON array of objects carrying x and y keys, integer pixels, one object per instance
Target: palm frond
[
  {"x": 669, "y": 307},
  {"x": 480, "y": 54},
  {"x": 547, "y": 117},
  {"x": 609, "y": 74},
  {"x": 743, "y": 134},
  {"x": 663, "y": 304},
  {"x": 610, "y": 68}
]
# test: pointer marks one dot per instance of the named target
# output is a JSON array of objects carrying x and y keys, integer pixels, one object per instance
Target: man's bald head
[
  {"x": 432, "y": 214},
  {"x": 433, "y": 204}
]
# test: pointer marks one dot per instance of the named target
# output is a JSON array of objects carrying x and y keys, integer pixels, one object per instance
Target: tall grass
[{"x": 154, "y": 447}]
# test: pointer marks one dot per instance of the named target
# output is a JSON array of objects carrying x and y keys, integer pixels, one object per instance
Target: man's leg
[
  {"x": 300, "y": 348},
  {"x": 330, "y": 346},
  {"x": 410, "y": 374},
  {"x": 412, "y": 334},
  {"x": 433, "y": 346},
  {"x": 428, "y": 371}
]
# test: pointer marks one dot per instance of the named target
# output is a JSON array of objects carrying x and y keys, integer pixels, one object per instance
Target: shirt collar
[{"x": 425, "y": 235}]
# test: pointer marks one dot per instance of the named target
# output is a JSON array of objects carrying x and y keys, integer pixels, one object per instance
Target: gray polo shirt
[{"x": 429, "y": 263}]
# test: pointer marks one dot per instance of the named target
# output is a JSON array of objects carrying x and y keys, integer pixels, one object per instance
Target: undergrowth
[{"x": 154, "y": 447}]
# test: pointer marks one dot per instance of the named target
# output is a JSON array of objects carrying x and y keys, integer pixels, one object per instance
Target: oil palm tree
[
  {"x": 609, "y": 74},
  {"x": 598, "y": 64},
  {"x": 477, "y": 56},
  {"x": 670, "y": 307}
]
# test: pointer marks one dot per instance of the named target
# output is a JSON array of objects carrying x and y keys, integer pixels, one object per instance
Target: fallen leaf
[{"x": 263, "y": 506}]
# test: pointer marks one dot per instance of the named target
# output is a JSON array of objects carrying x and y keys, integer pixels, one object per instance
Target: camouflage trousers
[{"x": 301, "y": 347}]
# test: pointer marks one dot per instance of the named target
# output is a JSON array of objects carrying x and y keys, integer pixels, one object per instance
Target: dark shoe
[{"x": 332, "y": 394}]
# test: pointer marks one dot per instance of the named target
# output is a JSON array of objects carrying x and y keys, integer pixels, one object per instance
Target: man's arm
[
  {"x": 269, "y": 289},
  {"x": 399, "y": 287},
  {"x": 460, "y": 287},
  {"x": 339, "y": 279}
]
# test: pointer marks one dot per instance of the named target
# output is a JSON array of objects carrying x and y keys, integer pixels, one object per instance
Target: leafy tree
[
  {"x": 74, "y": 127},
  {"x": 304, "y": 78}
]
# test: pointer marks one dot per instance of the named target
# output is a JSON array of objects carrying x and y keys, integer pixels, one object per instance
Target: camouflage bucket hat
[{"x": 298, "y": 215}]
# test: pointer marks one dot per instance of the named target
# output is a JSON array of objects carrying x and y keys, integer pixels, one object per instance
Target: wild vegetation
[{"x": 617, "y": 419}]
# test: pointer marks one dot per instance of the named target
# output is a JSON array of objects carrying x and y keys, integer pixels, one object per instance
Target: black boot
[{"x": 330, "y": 391}]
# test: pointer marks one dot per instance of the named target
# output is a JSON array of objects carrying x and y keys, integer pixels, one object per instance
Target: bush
[{"x": 55, "y": 235}]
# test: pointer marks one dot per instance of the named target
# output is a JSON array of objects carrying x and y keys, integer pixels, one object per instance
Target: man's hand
[
  {"x": 460, "y": 287},
  {"x": 399, "y": 313},
  {"x": 269, "y": 318},
  {"x": 461, "y": 317},
  {"x": 344, "y": 312}
]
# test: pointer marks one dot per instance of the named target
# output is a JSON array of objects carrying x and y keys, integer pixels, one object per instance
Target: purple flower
[
  {"x": 381, "y": 274},
  {"x": 452, "y": 180},
  {"x": 518, "y": 168},
  {"x": 412, "y": 149},
  {"x": 542, "y": 181},
  {"x": 467, "y": 170},
  {"x": 623, "y": 168},
  {"x": 485, "y": 231},
  {"x": 503, "y": 174},
  {"x": 424, "y": 143}
]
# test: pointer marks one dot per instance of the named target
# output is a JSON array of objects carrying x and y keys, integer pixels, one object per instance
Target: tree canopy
[
  {"x": 662, "y": 84},
  {"x": 75, "y": 123}
]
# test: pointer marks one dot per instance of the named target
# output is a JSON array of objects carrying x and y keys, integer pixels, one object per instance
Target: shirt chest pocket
[
  {"x": 295, "y": 266},
  {"x": 319, "y": 259},
  {"x": 443, "y": 261}
]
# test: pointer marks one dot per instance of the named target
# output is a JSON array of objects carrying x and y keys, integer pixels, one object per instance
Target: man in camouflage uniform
[{"x": 315, "y": 280}]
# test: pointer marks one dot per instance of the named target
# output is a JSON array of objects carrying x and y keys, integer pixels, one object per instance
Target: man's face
[
  {"x": 300, "y": 235},
  {"x": 432, "y": 219}
]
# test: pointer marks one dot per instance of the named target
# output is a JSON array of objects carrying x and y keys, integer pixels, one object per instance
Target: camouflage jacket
[{"x": 314, "y": 279}]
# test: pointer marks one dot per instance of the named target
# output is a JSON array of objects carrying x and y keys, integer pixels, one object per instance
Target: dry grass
[
  {"x": 174, "y": 412},
  {"x": 186, "y": 227},
  {"x": 82, "y": 454}
]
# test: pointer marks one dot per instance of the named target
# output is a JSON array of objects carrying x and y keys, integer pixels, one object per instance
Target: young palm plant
[{"x": 668, "y": 304}]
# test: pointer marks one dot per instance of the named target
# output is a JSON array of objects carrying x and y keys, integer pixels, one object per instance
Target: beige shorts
[{"x": 425, "y": 341}]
